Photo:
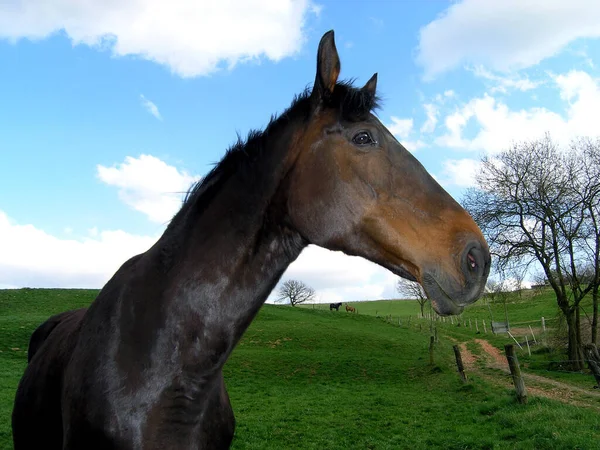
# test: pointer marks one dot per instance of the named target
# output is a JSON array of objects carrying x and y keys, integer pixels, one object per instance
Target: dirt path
[{"x": 536, "y": 384}]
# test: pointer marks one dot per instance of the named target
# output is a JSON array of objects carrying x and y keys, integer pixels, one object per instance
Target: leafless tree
[
  {"x": 412, "y": 289},
  {"x": 295, "y": 292},
  {"x": 590, "y": 152},
  {"x": 536, "y": 203}
]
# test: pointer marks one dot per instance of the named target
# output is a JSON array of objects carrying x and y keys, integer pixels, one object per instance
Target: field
[{"x": 308, "y": 378}]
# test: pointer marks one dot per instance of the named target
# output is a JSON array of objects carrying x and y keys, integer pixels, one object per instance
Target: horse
[
  {"x": 350, "y": 308},
  {"x": 141, "y": 368},
  {"x": 335, "y": 306}
]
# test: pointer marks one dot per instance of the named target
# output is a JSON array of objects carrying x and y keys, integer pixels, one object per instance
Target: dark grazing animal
[
  {"x": 141, "y": 368},
  {"x": 335, "y": 306}
]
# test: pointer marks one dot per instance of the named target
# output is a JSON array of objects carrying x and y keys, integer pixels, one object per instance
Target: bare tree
[
  {"x": 590, "y": 151},
  {"x": 295, "y": 292},
  {"x": 535, "y": 203},
  {"x": 412, "y": 289}
]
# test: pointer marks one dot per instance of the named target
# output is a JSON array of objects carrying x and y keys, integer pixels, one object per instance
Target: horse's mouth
[{"x": 441, "y": 301}]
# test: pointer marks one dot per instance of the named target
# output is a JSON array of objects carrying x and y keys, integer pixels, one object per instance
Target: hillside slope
[{"x": 312, "y": 379}]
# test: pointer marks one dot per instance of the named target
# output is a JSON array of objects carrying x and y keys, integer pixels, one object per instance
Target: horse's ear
[
  {"x": 328, "y": 67},
  {"x": 371, "y": 85}
]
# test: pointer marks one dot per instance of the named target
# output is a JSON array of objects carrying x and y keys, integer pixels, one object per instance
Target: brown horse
[
  {"x": 142, "y": 367},
  {"x": 350, "y": 308}
]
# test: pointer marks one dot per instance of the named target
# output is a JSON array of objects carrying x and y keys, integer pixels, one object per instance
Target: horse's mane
[{"x": 354, "y": 104}]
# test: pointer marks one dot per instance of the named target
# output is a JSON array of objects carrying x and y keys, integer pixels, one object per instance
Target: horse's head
[{"x": 353, "y": 187}]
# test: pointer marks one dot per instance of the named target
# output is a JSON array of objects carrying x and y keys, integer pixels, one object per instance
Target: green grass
[
  {"x": 314, "y": 379},
  {"x": 523, "y": 310}
]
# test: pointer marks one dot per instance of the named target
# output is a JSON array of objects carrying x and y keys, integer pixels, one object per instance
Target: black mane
[{"x": 354, "y": 105}]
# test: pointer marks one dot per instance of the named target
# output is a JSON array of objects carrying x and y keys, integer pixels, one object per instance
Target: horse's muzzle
[{"x": 450, "y": 294}]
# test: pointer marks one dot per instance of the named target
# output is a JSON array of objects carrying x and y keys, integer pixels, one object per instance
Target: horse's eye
[{"x": 362, "y": 138}]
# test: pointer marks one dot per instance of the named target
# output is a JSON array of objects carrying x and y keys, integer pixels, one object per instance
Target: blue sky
[{"x": 109, "y": 111}]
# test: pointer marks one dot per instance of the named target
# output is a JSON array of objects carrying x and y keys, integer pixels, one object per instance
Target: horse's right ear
[{"x": 328, "y": 67}]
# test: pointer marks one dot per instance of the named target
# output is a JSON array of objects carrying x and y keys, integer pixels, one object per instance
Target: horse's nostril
[{"x": 472, "y": 261}]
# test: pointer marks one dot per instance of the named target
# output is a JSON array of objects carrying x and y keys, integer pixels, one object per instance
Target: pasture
[{"x": 308, "y": 378}]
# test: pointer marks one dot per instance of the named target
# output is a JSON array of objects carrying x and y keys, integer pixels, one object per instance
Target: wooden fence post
[
  {"x": 528, "y": 348},
  {"x": 513, "y": 338},
  {"x": 543, "y": 325},
  {"x": 484, "y": 329},
  {"x": 593, "y": 360},
  {"x": 431, "y": 344},
  {"x": 515, "y": 370},
  {"x": 476, "y": 326},
  {"x": 459, "y": 364},
  {"x": 533, "y": 335}
]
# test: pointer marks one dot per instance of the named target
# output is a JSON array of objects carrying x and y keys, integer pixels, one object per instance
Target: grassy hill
[
  {"x": 305, "y": 378},
  {"x": 525, "y": 307}
]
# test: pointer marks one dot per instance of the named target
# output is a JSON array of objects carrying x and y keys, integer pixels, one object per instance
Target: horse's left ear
[
  {"x": 371, "y": 85},
  {"x": 328, "y": 67}
]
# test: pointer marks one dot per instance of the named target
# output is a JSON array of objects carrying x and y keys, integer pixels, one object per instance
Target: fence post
[
  {"x": 476, "y": 326},
  {"x": 431, "y": 344},
  {"x": 513, "y": 338},
  {"x": 593, "y": 360},
  {"x": 533, "y": 335},
  {"x": 515, "y": 370},
  {"x": 528, "y": 348},
  {"x": 459, "y": 363},
  {"x": 484, "y": 329},
  {"x": 543, "y": 325}
]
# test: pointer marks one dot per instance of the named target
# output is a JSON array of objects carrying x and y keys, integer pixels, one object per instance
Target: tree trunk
[
  {"x": 595, "y": 316},
  {"x": 422, "y": 308},
  {"x": 575, "y": 351}
]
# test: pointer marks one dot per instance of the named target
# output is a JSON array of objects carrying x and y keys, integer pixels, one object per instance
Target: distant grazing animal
[
  {"x": 141, "y": 368},
  {"x": 335, "y": 306},
  {"x": 350, "y": 308}
]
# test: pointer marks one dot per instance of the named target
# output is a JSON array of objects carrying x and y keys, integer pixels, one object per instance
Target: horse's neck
[{"x": 232, "y": 253}]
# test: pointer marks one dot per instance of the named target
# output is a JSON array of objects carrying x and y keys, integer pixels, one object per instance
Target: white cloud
[
  {"x": 413, "y": 145},
  {"x": 504, "y": 83},
  {"x": 30, "y": 257},
  {"x": 148, "y": 185},
  {"x": 498, "y": 125},
  {"x": 504, "y": 35},
  {"x": 338, "y": 277},
  {"x": 402, "y": 129},
  {"x": 431, "y": 111},
  {"x": 190, "y": 37},
  {"x": 460, "y": 172},
  {"x": 150, "y": 107}
]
